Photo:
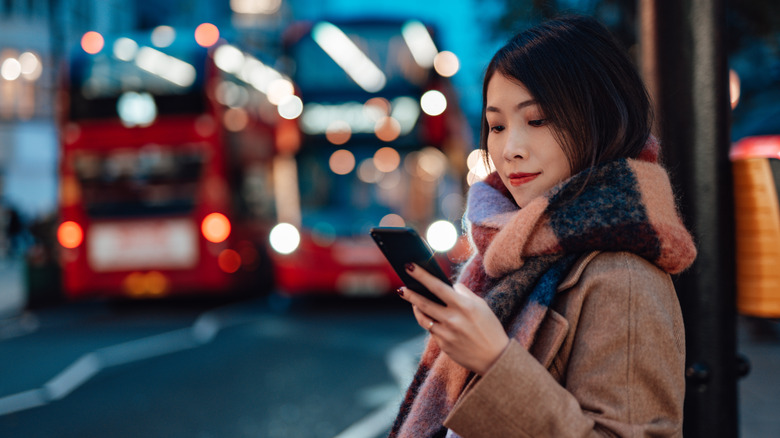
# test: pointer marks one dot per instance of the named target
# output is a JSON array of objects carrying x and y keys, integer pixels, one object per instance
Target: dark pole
[{"x": 685, "y": 66}]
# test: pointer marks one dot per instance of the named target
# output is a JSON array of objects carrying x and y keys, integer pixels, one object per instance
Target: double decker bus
[
  {"x": 379, "y": 141},
  {"x": 166, "y": 147}
]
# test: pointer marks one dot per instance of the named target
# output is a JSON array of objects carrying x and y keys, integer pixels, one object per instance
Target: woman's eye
[
  {"x": 537, "y": 123},
  {"x": 496, "y": 128}
]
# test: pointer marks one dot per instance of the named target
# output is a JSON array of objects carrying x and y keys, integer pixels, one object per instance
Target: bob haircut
[{"x": 585, "y": 85}]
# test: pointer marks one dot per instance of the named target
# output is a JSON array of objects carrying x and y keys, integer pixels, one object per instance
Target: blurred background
[{"x": 187, "y": 189}]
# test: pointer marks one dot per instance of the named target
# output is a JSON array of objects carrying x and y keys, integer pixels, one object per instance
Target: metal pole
[{"x": 684, "y": 63}]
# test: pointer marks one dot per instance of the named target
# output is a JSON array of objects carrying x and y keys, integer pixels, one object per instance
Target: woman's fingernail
[
  {"x": 400, "y": 291},
  {"x": 409, "y": 267}
]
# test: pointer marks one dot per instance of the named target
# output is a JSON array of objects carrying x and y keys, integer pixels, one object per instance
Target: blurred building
[{"x": 25, "y": 48}]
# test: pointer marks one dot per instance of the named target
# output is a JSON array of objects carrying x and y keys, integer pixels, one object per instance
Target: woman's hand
[{"x": 466, "y": 329}]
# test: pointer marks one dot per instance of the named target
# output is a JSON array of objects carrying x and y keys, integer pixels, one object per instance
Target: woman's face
[{"x": 528, "y": 158}]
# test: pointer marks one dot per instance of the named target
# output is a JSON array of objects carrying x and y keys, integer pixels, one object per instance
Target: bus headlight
[
  {"x": 442, "y": 236},
  {"x": 285, "y": 238}
]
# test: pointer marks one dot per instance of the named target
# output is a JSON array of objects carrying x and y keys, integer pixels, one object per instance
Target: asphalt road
[{"x": 254, "y": 368}]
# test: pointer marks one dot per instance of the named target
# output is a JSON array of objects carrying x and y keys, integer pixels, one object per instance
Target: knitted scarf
[{"x": 520, "y": 256}]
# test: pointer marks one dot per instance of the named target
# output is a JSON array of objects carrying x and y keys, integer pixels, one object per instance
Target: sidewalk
[{"x": 759, "y": 391}]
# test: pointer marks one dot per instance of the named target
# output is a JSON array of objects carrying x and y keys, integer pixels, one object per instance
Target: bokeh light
[
  {"x": 92, "y": 42},
  {"x": 206, "y": 34},
  {"x": 431, "y": 163},
  {"x": 69, "y": 234},
  {"x": 279, "y": 90},
  {"x": 367, "y": 172},
  {"x": 255, "y": 6},
  {"x": 338, "y": 132},
  {"x": 229, "y": 261},
  {"x": 433, "y": 102},
  {"x": 125, "y": 49},
  {"x": 387, "y": 129},
  {"x": 446, "y": 64},
  {"x": 441, "y": 235},
  {"x": 734, "y": 88},
  {"x": 163, "y": 36},
  {"x": 215, "y": 227},
  {"x": 376, "y": 108},
  {"x": 478, "y": 168},
  {"x": 291, "y": 107},
  {"x": 392, "y": 220},
  {"x": 11, "y": 69},
  {"x": 386, "y": 159},
  {"x": 235, "y": 119},
  {"x": 30, "y": 64},
  {"x": 341, "y": 162},
  {"x": 284, "y": 238}
]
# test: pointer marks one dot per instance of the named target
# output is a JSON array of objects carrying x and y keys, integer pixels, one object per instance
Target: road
[{"x": 252, "y": 368}]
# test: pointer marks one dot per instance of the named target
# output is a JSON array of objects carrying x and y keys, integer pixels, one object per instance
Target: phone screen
[{"x": 402, "y": 245}]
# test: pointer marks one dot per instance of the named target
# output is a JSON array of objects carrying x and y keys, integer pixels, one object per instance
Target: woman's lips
[{"x": 518, "y": 179}]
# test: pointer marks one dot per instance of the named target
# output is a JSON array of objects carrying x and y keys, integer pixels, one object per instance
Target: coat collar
[{"x": 576, "y": 271}]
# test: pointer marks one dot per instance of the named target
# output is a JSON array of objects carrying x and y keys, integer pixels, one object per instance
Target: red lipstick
[{"x": 520, "y": 178}]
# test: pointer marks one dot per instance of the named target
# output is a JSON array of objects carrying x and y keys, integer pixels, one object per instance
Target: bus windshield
[
  {"x": 132, "y": 69},
  {"x": 383, "y": 181},
  {"x": 383, "y": 45},
  {"x": 153, "y": 180}
]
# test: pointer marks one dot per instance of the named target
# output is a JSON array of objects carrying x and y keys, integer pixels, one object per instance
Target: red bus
[
  {"x": 165, "y": 152},
  {"x": 378, "y": 139}
]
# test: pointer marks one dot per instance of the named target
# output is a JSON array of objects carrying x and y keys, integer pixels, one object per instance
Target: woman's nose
[{"x": 515, "y": 147}]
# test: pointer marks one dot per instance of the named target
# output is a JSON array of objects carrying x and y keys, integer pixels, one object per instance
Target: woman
[{"x": 565, "y": 321}]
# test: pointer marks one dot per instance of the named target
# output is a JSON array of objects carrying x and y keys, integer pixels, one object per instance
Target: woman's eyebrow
[{"x": 521, "y": 105}]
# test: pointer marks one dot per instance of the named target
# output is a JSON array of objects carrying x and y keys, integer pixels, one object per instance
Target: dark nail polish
[
  {"x": 409, "y": 267},
  {"x": 400, "y": 291}
]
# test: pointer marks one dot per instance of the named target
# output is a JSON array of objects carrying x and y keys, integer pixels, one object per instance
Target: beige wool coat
[{"x": 608, "y": 360}]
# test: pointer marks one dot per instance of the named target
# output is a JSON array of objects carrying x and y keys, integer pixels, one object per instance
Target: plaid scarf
[{"x": 522, "y": 255}]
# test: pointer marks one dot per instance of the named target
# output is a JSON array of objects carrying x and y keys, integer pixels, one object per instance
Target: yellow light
[
  {"x": 155, "y": 283},
  {"x": 734, "y": 88},
  {"x": 70, "y": 191},
  {"x": 215, "y": 227},
  {"x": 92, "y": 42},
  {"x": 342, "y": 162},
  {"x": 386, "y": 159},
  {"x": 206, "y": 34},
  {"x": 134, "y": 283}
]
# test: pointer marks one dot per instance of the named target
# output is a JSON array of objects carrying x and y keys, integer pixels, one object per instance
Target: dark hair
[{"x": 585, "y": 85}]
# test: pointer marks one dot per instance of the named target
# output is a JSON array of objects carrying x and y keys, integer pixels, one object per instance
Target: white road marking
[
  {"x": 402, "y": 362},
  {"x": 202, "y": 331}
]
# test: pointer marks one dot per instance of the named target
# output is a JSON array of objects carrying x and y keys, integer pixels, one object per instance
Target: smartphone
[{"x": 402, "y": 245}]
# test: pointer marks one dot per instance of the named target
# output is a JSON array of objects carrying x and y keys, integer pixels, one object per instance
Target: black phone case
[{"x": 402, "y": 245}]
